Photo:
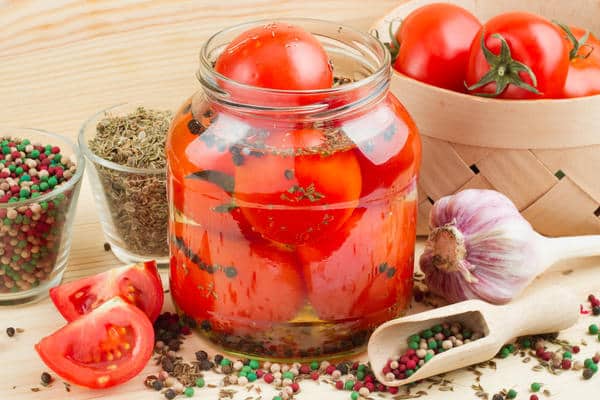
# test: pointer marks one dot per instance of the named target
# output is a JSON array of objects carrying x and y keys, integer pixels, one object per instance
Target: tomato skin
[
  {"x": 434, "y": 45},
  {"x": 584, "y": 73},
  {"x": 392, "y": 157},
  {"x": 305, "y": 190},
  {"x": 138, "y": 284},
  {"x": 71, "y": 350},
  {"x": 256, "y": 285},
  {"x": 344, "y": 267},
  {"x": 534, "y": 41},
  {"x": 277, "y": 56}
]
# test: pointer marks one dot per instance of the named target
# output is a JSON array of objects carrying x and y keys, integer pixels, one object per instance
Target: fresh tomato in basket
[
  {"x": 138, "y": 284},
  {"x": 346, "y": 279},
  {"x": 236, "y": 285},
  {"x": 277, "y": 56},
  {"x": 301, "y": 188},
  {"x": 103, "y": 348},
  {"x": 433, "y": 43},
  {"x": 391, "y": 157},
  {"x": 518, "y": 55},
  {"x": 583, "y": 78}
]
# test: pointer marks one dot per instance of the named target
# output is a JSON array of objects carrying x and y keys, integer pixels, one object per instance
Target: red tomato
[
  {"x": 277, "y": 56},
  {"x": 295, "y": 199},
  {"x": 583, "y": 78},
  {"x": 238, "y": 286},
  {"x": 200, "y": 164},
  {"x": 138, "y": 284},
  {"x": 104, "y": 348},
  {"x": 434, "y": 45},
  {"x": 364, "y": 271},
  {"x": 531, "y": 43},
  {"x": 392, "y": 156}
]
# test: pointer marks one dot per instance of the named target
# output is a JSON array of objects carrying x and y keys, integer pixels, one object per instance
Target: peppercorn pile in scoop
[{"x": 30, "y": 232}]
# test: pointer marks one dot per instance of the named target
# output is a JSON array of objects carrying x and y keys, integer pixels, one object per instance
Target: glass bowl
[
  {"x": 132, "y": 202},
  {"x": 35, "y": 234}
]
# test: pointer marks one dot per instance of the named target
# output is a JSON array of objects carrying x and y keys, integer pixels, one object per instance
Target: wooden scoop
[{"x": 543, "y": 311}]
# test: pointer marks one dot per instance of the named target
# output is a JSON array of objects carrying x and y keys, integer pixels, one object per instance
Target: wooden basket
[{"x": 544, "y": 154}]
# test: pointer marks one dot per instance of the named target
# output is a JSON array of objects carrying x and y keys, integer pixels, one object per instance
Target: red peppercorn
[
  {"x": 386, "y": 370},
  {"x": 596, "y": 359},
  {"x": 15, "y": 189},
  {"x": 58, "y": 172},
  {"x": 380, "y": 387},
  {"x": 295, "y": 387},
  {"x": 314, "y": 376},
  {"x": 411, "y": 364},
  {"x": 369, "y": 378},
  {"x": 260, "y": 373},
  {"x": 411, "y": 352},
  {"x": 566, "y": 364},
  {"x": 575, "y": 349},
  {"x": 55, "y": 150},
  {"x": 370, "y": 386},
  {"x": 185, "y": 330},
  {"x": 330, "y": 368},
  {"x": 339, "y": 385},
  {"x": 269, "y": 378},
  {"x": 547, "y": 356},
  {"x": 355, "y": 366},
  {"x": 305, "y": 369},
  {"x": 357, "y": 386},
  {"x": 533, "y": 397},
  {"x": 393, "y": 390},
  {"x": 404, "y": 359},
  {"x": 15, "y": 154}
]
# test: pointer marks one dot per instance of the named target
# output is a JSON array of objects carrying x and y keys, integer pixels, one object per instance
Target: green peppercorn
[
  {"x": 52, "y": 181},
  {"x": 512, "y": 393},
  {"x": 535, "y": 387},
  {"x": 409, "y": 372},
  {"x": 200, "y": 382},
  {"x": 251, "y": 376},
  {"x": 594, "y": 368},
  {"x": 593, "y": 329},
  {"x": 315, "y": 366},
  {"x": 428, "y": 357},
  {"x": 413, "y": 345},
  {"x": 432, "y": 345},
  {"x": 254, "y": 364},
  {"x": 277, "y": 398},
  {"x": 225, "y": 362},
  {"x": 354, "y": 395},
  {"x": 18, "y": 170},
  {"x": 414, "y": 338},
  {"x": 437, "y": 329},
  {"x": 24, "y": 177},
  {"x": 349, "y": 385},
  {"x": 588, "y": 362},
  {"x": 287, "y": 375},
  {"x": 567, "y": 354},
  {"x": 426, "y": 334},
  {"x": 189, "y": 392},
  {"x": 360, "y": 375}
]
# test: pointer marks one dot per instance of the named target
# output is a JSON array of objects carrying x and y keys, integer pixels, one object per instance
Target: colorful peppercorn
[
  {"x": 512, "y": 393},
  {"x": 535, "y": 387},
  {"x": 593, "y": 329}
]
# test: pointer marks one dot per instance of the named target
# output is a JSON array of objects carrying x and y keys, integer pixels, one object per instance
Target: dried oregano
[{"x": 137, "y": 201}]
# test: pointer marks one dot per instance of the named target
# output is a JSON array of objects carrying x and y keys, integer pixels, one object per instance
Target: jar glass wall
[{"x": 292, "y": 213}]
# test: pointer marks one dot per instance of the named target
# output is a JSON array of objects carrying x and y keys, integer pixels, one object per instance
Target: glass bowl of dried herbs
[
  {"x": 125, "y": 149},
  {"x": 40, "y": 179}
]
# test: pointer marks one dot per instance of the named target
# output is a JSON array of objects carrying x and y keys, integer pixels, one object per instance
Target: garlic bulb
[{"x": 480, "y": 247}]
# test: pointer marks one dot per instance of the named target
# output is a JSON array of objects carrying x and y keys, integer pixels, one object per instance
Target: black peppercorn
[
  {"x": 226, "y": 369},
  {"x": 205, "y": 326},
  {"x": 10, "y": 331},
  {"x": 174, "y": 344},
  {"x": 170, "y": 394},
  {"x": 157, "y": 385},
  {"x": 167, "y": 365},
  {"x": 218, "y": 359},
  {"x": 46, "y": 378},
  {"x": 596, "y": 310},
  {"x": 206, "y": 365},
  {"x": 498, "y": 396},
  {"x": 343, "y": 368},
  {"x": 201, "y": 355},
  {"x": 588, "y": 373},
  {"x": 106, "y": 246}
]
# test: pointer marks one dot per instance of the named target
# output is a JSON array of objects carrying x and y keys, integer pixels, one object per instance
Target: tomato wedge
[
  {"x": 138, "y": 284},
  {"x": 104, "y": 348}
]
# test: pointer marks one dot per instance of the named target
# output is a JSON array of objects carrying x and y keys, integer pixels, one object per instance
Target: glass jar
[
  {"x": 292, "y": 213},
  {"x": 36, "y": 229}
]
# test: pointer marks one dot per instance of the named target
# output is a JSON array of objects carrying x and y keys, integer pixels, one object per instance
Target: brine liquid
[{"x": 281, "y": 244}]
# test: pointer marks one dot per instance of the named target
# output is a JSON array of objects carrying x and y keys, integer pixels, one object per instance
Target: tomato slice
[
  {"x": 293, "y": 196},
  {"x": 104, "y": 348},
  {"x": 348, "y": 278},
  {"x": 237, "y": 286},
  {"x": 138, "y": 284}
]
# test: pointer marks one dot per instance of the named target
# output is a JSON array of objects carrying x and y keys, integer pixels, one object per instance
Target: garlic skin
[{"x": 480, "y": 247}]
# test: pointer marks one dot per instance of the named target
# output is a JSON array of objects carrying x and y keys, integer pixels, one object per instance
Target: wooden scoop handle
[{"x": 539, "y": 311}]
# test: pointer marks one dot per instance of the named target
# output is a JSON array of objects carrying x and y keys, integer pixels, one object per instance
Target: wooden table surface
[{"x": 63, "y": 60}]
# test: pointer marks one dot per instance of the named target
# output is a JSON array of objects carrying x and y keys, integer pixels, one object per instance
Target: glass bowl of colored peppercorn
[
  {"x": 125, "y": 149},
  {"x": 40, "y": 178}
]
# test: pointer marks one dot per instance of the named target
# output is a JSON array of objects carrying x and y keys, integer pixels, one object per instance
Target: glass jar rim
[
  {"x": 89, "y": 154},
  {"x": 57, "y": 190},
  {"x": 381, "y": 72}
]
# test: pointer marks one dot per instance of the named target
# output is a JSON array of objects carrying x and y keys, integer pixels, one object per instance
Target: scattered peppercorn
[
  {"x": 201, "y": 355},
  {"x": 587, "y": 373},
  {"x": 189, "y": 392},
  {"x": 534, "y": 397},
  {"x": 535, "y": 387},
  {"x": 512, "y": 393},
  {"x": 10, "y": 331},
  {"x": 170, "y": 394},
  {"x": 593, "y": 329},
  {"x": 106, "y": 246},
  {"x": 157, "y": 385},
  {"x": 46, "y": 378},
  {"x": 498, "y": 396}
]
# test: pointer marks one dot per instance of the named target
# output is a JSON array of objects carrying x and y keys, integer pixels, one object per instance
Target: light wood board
[{"x": 63, "y": 60}]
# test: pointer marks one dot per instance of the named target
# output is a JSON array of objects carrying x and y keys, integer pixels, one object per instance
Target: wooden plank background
[{"x": 63, "y": 60}]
